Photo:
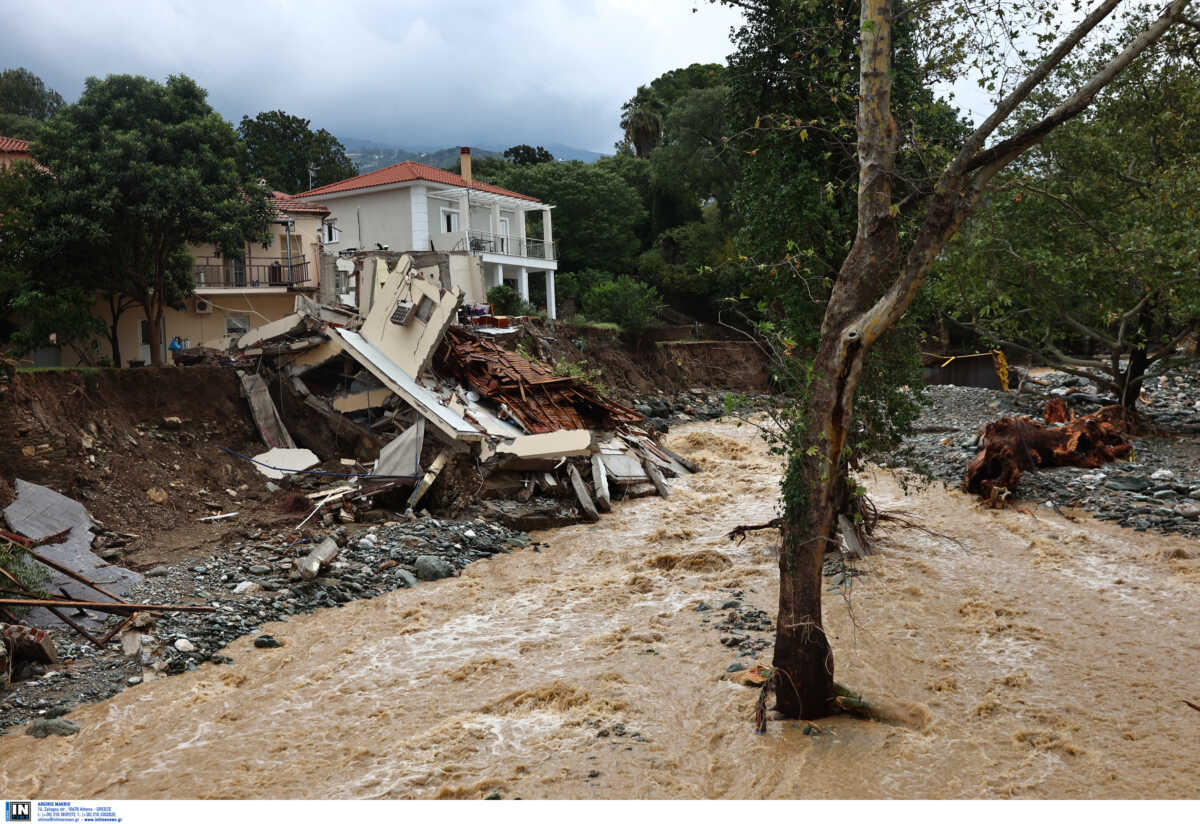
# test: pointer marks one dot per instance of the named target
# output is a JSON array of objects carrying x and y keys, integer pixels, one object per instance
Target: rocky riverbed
[
  {"x": 251, "y": 583},
  {"x": 1158, "y": 489}
]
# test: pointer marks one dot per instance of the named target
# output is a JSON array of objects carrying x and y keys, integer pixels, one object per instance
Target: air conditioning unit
[
  {"x": 203, "y": 307},
  {"x": 402, "y": 313}
]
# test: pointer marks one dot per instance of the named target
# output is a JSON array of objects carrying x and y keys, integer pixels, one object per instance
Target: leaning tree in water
[{"x": 883, "y": 271}]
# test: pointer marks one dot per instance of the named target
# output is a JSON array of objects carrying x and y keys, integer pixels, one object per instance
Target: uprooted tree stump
[{"x": 1012, "y": 446}]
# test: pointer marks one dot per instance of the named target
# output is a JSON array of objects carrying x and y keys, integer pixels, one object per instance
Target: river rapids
[{"x": 1021, "y": 654}]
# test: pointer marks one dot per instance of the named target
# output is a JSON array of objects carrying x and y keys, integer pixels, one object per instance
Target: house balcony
[
  {"x": 479, "y": 242},
  {"x": 235, "y": 273}
]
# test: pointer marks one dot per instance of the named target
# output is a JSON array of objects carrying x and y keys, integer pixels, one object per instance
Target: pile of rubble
[
  {"x": 415, "y": 389},
  {"x": 415, "y": 393}
]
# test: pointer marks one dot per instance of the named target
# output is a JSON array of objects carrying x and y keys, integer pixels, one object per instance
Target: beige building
[{"x": 235, "y": 294}]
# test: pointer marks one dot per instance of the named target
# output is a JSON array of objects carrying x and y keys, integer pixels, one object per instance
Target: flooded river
[{"x": 1030, "y": 656}]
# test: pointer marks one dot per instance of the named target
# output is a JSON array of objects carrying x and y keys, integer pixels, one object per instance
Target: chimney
[{"x": 464, "y": 162}]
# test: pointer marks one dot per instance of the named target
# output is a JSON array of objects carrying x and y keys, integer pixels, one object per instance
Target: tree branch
[{"x": 1000, "y": 155}]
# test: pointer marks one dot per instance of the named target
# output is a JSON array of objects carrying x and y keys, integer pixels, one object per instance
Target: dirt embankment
[
  {"x": 100, "y": 437},
  {"x": 639, "y": 367}
]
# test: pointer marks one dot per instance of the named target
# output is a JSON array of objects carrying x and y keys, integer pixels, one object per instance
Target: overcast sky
[{"x": 417, "y": 73}]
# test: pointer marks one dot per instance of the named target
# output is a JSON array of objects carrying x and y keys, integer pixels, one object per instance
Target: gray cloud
[{"x": 417, "y": 73}]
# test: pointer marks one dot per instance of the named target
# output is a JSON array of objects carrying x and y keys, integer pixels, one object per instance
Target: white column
[
  {"x": 499, "y": 279},
  {"x": 521, "y": 250},
  {"x": 551, "y": 309},
  {"x": 419, "y": 228},
  {"x": 464, "y": 218},
  {"x": 523, "y": 283},
  {"x": 548, "y": 234},
  {"x": 495, "y": 218}
]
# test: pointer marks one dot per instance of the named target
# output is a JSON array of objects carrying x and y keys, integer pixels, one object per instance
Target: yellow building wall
[
  {"x": 306, "y": 243},
  {"x": 193, "y": 328}
]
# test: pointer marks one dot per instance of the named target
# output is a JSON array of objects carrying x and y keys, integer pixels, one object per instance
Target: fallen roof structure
[
  {"x": 415, "y": 359},
  {"x": 541, "y": 400}
]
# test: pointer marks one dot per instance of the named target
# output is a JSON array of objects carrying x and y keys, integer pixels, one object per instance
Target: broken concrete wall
[
  {"x": 409, "y": 316},
  {"x": 39, "y": 512}
]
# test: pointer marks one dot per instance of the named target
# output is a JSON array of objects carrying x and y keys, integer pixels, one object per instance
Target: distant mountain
[{"x": 370, "y": 155}]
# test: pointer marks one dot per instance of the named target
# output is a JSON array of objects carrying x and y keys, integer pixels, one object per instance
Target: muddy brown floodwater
[{"x": 1030, "y": 656}]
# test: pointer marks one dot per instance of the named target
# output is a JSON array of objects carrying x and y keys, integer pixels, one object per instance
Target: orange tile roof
[
  {"x": 407, "y": 172},
  {"x": 290, "y": 203},
  {"x": 12, "y": 144}
]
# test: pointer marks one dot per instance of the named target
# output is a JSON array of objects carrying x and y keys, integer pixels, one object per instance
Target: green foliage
[
  {"x": 596, "y": 214},
  {"x": 506, "y": 301},
  {"x": 23, "y": 94},
  {"x": 526, "y": 155},
  {"x": 283, "y": 150},
  {"x": 1090, "y": 243},
  {"x": 140, "y": 170},
  {"x": 18, "y": 563},
  {"x": 574, "y": 285},
  {"x": 592, "y": 376},
  {"x": 624, "y": 301},
  {"x": 643, "y": 115}
]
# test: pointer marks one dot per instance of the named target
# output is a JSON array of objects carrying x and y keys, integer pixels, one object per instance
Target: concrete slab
[
  {"x": 287, "y": 461},
  {"x": 38, "y": 512},
  {"x": 403, "y": 455},
  {"x": 404, "y": 385},
  {"x": 566, "y": 443}
]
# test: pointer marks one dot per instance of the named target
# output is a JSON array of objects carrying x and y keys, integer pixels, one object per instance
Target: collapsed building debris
[
  {"x": 1011, "y": 446},
  {"x": 416, "y": 364}
]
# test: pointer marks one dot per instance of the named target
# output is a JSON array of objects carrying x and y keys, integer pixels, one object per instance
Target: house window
[
  {"x": 503, "y": 239},
  {"x": 330, "y": 233},
  {"x": 424, "y": 309},
  {"x": 449, "y": 220},
  {"x": 235, "y": 270},
  {"x": 237, "y": 324}
]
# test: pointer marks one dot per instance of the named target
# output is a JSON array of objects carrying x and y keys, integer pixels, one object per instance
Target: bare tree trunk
[
  {"x": 873, "y": 289},
  {"x": 803, "y": 661}
]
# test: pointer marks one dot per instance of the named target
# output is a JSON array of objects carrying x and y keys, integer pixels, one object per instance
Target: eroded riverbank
[{"x": 1033, "y": 656}]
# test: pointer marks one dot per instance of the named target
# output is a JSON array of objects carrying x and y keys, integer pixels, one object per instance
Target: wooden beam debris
[
  {"x": 600, "y": 484},
  {"x": 581, "y": 494}
]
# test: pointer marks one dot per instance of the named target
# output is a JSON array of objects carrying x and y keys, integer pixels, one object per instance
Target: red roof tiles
[
  {"x": 12, "y": 144},
  {"x": 290, "y": 203},
  {"x": 406, "y": 172}
]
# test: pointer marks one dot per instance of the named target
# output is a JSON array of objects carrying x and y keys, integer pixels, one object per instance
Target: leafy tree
[
  {"x": 284, "y": 151},
  {"x": 25, "y": 103},
  {"x": 526, "y": 155},
  {"x": 140, "y": 170},
  {"x": 630, "y": 304},
  {"x": 505, "y": 300},
  {"x": 55, "y": 308},
  {"x": 643, "y": 116},
  {"x": 596, "y": 213},
  {"x": 882, "y": 272},
  {"x": 1089, "y": 244}
]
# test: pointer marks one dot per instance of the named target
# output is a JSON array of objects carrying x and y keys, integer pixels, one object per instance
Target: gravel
[
  {"x": 252, "y": 583},
  {"x": 1155, "y": 490}
]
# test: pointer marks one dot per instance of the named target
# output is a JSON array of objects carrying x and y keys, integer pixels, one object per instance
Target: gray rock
[
  {"x": 184, "y": 645},
  {"x": 158, "y": 571},
  {"x": 260, "y": 569},
  {"x": 407, "y": 577},
  {"x": 1188, "y": 510},
  {"x": 433, "y": 567},
  {"x": 52, "y": 726},
  {"x": 1127, "y": 483}
]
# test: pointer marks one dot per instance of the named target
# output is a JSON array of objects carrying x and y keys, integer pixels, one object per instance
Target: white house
[{"x": 417, "y": 208}]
